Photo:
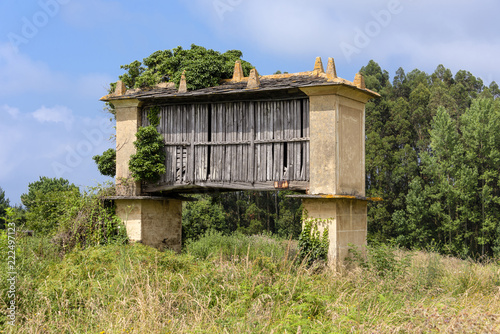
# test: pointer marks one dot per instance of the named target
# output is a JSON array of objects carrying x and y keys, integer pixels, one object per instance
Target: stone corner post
[
  {"x": 336, "y": 197},
  {"x": 153, "y": 221}
]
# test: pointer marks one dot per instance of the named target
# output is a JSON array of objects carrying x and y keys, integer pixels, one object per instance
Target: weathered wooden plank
[
  {"x": 302, "y": 145},
  {"x": 263, "y": 157},
  {"x": 269, "y": 134},
  {"x": 178, "y": 151},
  {"x": 205, "y": 123},
  {"x": 258, "y": 136},
  {"x": 251, "y": 152},
  {"x": 242, "y": 109},
  {"x": 198, "y": 163},
  {"x": 297, "y": 146},
  {"x": 175, "y": 137},
  {"x": 216, "y": 166},
  {"x": 290, "y": 135},
  {"x": 276, "y": 135},
  {"x": 214, "y": 155},
  {"x": 233, "y": 135},
  {"x": 282, "y": 144},
  {"x": 201, "y": 125},
  {"x": 236, "y": 148},
  {"x": 229, "y": 136},
  {"x": 222, "y": 166},
  {"x": 166, "y": 136},
  {"x": 190, "y": 149},
  {"x": 179, "y": 138},
  {"x": 266, "y": 185},
  {"x": 242, "y": 135},
  {"x": 306, "y": 111},
  {"x": 185, "y": 137}
]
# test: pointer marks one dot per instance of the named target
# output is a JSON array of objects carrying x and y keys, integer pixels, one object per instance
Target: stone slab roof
[{"x": 243, "y": 85}]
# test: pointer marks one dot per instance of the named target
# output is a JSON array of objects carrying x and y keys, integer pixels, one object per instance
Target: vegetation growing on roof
[{"x": 204, "y": 67}]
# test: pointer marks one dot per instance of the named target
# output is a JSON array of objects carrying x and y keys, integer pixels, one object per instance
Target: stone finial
[
  {"x": 318, "y": 66},
  {"x": 331, "y": 71},
  {"x": 183, "y": 84},
  {"x": 359, "y": 81},
  {"x": 120, "y": 88},
  {"x": 253, "y": 79},
  {"x": 238, "y": 72}
]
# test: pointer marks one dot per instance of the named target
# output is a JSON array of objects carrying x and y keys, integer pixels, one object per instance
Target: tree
[
  {"x": 201, "y": 216},
  {"x": 47, "y": 200},
  {"x": 417, "y": 160},
  {"x": 456, "y": 202},
  {"x": 4, "y": 204}
]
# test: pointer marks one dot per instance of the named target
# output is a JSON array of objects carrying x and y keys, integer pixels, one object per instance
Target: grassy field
[{"x": 241, "y": 284}]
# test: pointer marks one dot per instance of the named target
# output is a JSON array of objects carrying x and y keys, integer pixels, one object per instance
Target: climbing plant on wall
[{"x": 148, "y": 164}]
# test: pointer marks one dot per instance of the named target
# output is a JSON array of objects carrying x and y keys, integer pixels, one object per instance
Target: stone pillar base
[
  {"x": 153, "y": 222},
  {"x": 346, "y": 222}
]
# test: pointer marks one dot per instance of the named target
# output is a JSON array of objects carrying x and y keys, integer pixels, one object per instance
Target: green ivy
[
  {"x": 148, "y": 164},
  {"x": 154, "y": 116},
  {"x": 313, "y": 245},
  {"x": 106, "y": 163}
]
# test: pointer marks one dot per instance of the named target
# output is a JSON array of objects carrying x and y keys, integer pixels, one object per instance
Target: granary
[{"x": 303, "y": 131}]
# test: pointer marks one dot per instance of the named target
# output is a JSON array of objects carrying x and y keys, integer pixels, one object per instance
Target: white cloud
[
  {"x": 20, "y": 74},
  {"x": 48, "y": 151},
  {"x": 13, "y": 112},
  {"x": 57, "y": 114},
  {"x": 459, "y": 34}
]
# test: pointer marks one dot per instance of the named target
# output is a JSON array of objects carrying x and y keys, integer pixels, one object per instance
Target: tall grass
[{"x": 240, "y": 284}]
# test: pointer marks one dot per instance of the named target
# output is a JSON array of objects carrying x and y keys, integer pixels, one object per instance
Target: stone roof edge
[{"x": 330, "y": 78}]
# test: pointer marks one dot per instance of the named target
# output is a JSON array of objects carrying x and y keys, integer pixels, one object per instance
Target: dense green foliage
[
  {"x": 313, "y": 245},
  {"x": 4, "y": 204},
  {"x": 58, "y": 210},
  {"x": 47, "y": 200},
  {"x": 432, "y": 154},
  {"x": 204, "y": 67},
  {"x": 88, "y": 221},
  {"x": 106, "y": 163},
  {"x": 247, "y": 212},
  {"x": 148, "y": 163}
]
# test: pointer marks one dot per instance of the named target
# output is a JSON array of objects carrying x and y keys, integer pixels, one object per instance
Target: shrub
[
  {"x": 381, "y": 259},
  {"x": 200, "y": 216},
  {"x": 91, "y": 222}
]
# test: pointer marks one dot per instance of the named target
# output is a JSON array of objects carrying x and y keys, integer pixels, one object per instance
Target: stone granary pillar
[
  {"x": 336, "y": 196},
  {"x": 154, "y": 221}
]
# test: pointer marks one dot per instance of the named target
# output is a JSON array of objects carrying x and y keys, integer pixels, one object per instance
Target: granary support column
[
  {"x": 153, "y": 221},
  {"x": 128, "y": 121},
  {"x": 336, "y": 196},
  {"x": 156, "y": 222}
]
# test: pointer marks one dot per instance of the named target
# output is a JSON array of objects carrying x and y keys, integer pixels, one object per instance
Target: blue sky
[{"x": 57, "y": 58}]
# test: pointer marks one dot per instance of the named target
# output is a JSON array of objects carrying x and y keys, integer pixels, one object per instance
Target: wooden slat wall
[{"x": 235, "y": 142}]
